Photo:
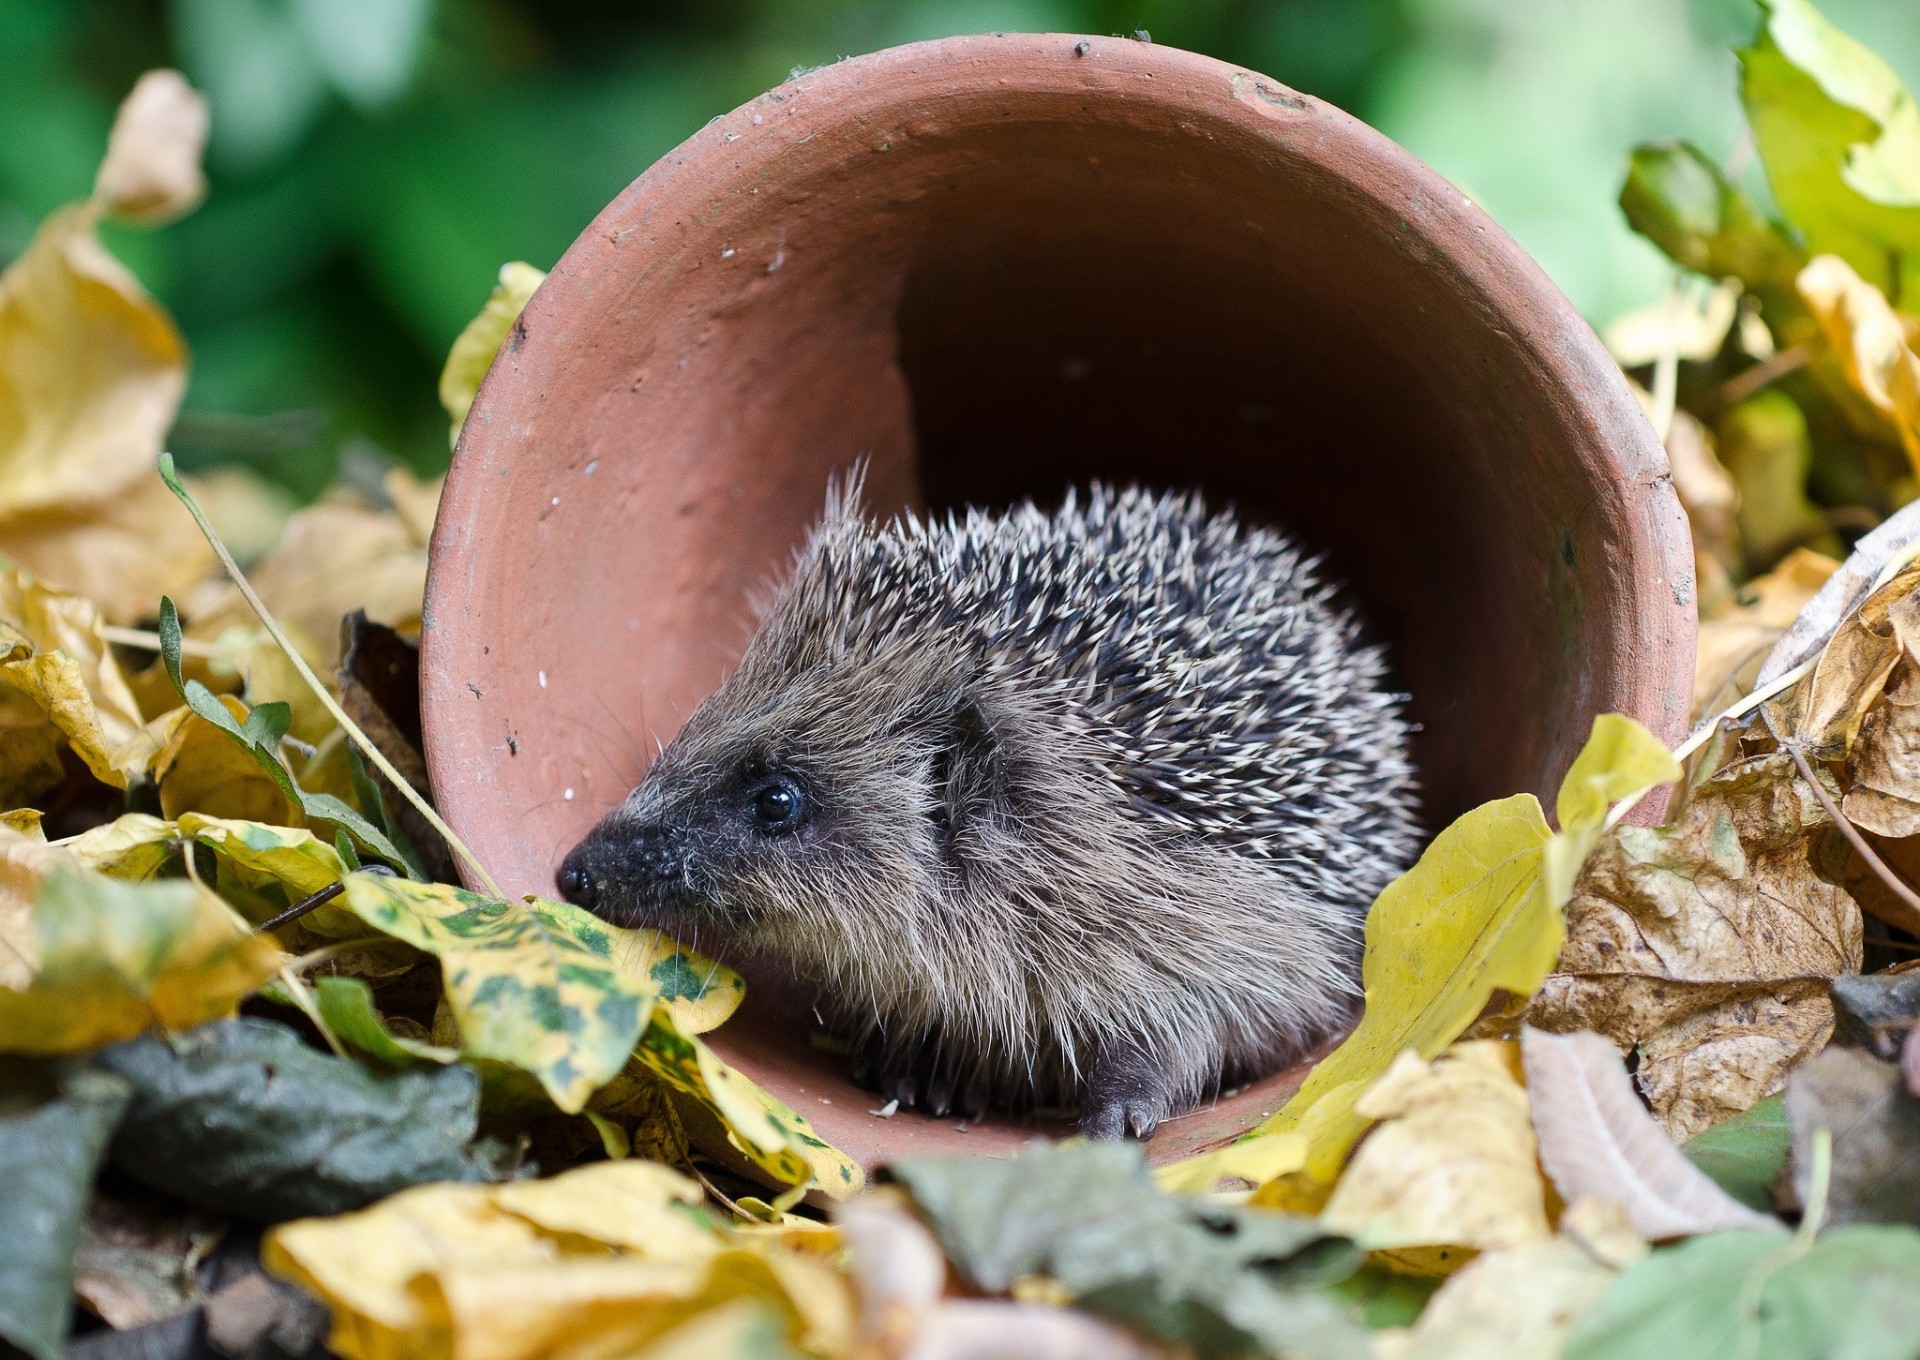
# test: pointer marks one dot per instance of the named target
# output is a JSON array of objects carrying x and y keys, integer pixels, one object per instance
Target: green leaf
[
  {"x": 535, "y": 984},
  {"x": 48, "y": 1153},
  {"x": 346, "y": 1004},
  {"x": 244, "y": 1118},
  {"x": 1745, "y": 1154},
  {"x": 1840, "y": 136},
  {"x": 1676, "y": 197},
  {"x": 260, "y": 735},
  {"x": 1224, "y": 1281},
  {"x": 1853, "y": 1292}
]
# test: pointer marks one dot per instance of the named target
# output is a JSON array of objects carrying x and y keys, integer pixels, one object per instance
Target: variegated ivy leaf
[
  {"x": 291, "y": 856},
  {"x": 778, "y": 1139},
  {"x": 697, "y": 993},
  {"x": 538, "y": 985}
]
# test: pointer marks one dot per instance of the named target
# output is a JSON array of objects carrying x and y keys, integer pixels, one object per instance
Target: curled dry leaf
[
  {"x": 61, "y": 687},
  {"x": 137, "y": 1258},
  {"x": 1870, "y": 340},
  {"x": 1825, "y": 711},
  {"x": 1885, "y": 796},
  {"x": 595, "y": 1262},
  {"x": 1454, "y": 1162},
  {"x": 1736, "y": 640},
  {"x": 1710, "y": 944},
  {"x": 1597, "y": 1140},
  {"x": 152, "y": 171},
  {"x": 1843, "y": 592}
]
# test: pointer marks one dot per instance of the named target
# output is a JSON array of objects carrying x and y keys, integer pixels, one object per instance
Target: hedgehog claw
[{"x": 1127, "y": 1095}]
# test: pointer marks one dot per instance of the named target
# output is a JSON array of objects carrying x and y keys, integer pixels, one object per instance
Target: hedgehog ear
[{"x": 964, "y": 769}]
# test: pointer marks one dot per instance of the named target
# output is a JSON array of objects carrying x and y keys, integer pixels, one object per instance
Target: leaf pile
[{"x": 271, "y": 1084}]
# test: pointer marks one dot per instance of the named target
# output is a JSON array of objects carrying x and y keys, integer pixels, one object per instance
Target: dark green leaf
[
  {"x": 1745, "y": 1154},
  {"x": 1854, "y": 1292},
  {"x": 242, "y": 1117},
  {"x": 1676, "y": 197},
  {"x": 48, "y": 1154},
  {"x": 1223, "y": 1281}
]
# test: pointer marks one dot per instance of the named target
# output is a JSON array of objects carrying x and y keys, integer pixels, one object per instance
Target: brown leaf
[
  {"x": 1709, "y": 943},
  {"x": 379, "y": 683},
  {"x": 1824, "y": 712},
  {"x": 1875, "y": 1125},
  {"x": 137, "y": 1258},
  {"x": 1734, "y": 641},
  {"x": 1597, "y": 1140},
  {"x": 152, "y": 171},
  {"x": 1885, "y": 797}
]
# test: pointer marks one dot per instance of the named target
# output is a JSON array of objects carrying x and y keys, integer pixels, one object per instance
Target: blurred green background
[{"x": 374, "y": 161}]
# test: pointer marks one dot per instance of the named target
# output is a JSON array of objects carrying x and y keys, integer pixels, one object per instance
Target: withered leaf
[
  {"x": 1875, "y": 1125},
  {"x": 1710, "y": 944}
]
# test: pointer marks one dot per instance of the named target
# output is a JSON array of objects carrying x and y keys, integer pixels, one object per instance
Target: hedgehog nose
[{"x": 576, "y": 884}]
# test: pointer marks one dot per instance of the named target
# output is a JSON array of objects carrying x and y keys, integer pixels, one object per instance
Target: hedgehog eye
[{"x": 776, "y": 806}]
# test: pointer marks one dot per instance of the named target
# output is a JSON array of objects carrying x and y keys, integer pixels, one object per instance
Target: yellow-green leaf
[
  {"x": 697, "y": 993},
  {"x": 135, "y": 845},
  {"x": 535, "y": 984},
  {"x": 778, "y": 1139},
  {"x": 346, "y": 1004},
  {"x": 474, "y": 349},
  {"x": 293, "y": 857},
  {"x": 1480, "y": 912},
  {"x": 1840, "y": 136},
  {"x": 109, "y": 960}
]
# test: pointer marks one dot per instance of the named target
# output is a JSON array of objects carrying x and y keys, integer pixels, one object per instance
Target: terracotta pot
[{"x": 997, "y": 266}]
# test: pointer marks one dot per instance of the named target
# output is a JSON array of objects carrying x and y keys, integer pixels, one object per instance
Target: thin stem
[
  {"x": 352, "y": 729},
  {"x": 1750, "y": 380},
  {"x": 306, "y": 904},
  {"x": 150, "y": 642},
  {"x": 1909, "y": 922}
]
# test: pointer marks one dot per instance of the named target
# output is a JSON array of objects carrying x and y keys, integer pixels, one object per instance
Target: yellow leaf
[
  {"x": 1519, "y": 1303},
  {"x": 152, "y": 171},
  {"x": 536, "y": 984},
  {"x": 56, "y": 670},
  {"x": 1252, "y": 1161},
  {"x": 1453, "y": 1163},
  {"x": 133, "y": 846},
  {"x": 1480, "y": 912},
  {"x": 776, "y": 1137},
  {"x": 91, "y": 371},
  {"x": 474, "y": 349},
  {"x": 25, "y": 861},
  {"x": 26, "y": 821},
  {"x": 596, "y": 1262},
  {"x": 697, "y": 993},
  {"x": 1871, "y": 342},
  {"x": 110, "y": 960}
]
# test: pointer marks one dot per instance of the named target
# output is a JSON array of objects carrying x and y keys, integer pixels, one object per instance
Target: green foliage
[
  {"x": 242, "y": 1117},
  {"x": 1746, "y": 1153},
  {"x": 51, "y": 1141}
]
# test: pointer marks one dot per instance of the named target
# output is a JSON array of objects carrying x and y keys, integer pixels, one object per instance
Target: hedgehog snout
[{"x": 623, "y": 867}]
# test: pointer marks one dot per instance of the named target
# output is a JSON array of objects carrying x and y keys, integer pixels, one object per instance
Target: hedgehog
[{"x": 1070, "y": 810}]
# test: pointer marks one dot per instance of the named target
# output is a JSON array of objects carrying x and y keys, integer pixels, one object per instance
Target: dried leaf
[
  {"x": 244, "y": 1118},
  {"x": 1870, "y": 340},
  {"x": 1875, "y": 1126},
  {"x": 1518, "y": 1303},
  {"x": 91, "y": 372},
  {"x": 136, "y": 1259},
  {"x": 1885, "y": 765},
  {"x": 473, "y": 352},
  {"x": 108, "y": 960},
  {"x": 1735, "y": 641},
  {"x": 152, "y": 171},
  {"x": 595, "y": 1262},
  {"x": 1479, "y": 913},
  {"x": 1454, "y": 1162},
  {"x": 1844, "y": 591},
  {"x": 201, "y": 768},
  {"x": 1709, "y": 943},
  {"x": 1597, "y": 1140},
  {"x": 539, "y": 985}
]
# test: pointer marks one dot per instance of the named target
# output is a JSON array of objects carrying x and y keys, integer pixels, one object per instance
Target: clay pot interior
[{"x": 995, "y": 268}]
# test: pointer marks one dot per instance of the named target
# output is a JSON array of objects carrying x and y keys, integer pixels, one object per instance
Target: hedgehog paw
[
  {"x": 921, "y": 1078},
  {"x": 1127, "y": 1095}
]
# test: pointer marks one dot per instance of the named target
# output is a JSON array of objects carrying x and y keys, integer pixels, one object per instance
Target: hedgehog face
[{"x": 778, "y": 819}]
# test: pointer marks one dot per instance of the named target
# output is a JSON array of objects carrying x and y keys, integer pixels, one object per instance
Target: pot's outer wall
[{"x": 995, "y": 266}]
